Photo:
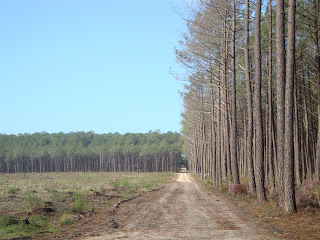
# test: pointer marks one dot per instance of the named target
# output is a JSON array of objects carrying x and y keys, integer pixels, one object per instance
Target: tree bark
[
  {"x": 234, "y": 160},
  {"x": 280, "y": 65},
  {"x": 258, "y": 111},
  {"x": 252, "y": 184},
  {"x": 316, "y": 37},
  {"x": 290, "y": 202},
  {"x": 270, "y": 107}
]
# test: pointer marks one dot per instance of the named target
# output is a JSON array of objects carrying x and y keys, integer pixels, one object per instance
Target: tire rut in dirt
[{"x": 180, "y": 210}]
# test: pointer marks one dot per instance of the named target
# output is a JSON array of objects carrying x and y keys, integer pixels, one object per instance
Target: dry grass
[
  {"x": 70, "y": 196},
  {"x": 305, "y": 224}
]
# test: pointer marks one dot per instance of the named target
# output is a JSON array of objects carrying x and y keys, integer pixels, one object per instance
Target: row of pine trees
[
  {"x": 252, "y": 94},
  {"x": 88, "y": 151}
]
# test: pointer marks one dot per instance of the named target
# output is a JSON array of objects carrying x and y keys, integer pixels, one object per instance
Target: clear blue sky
[{"x": 80, "y": 65}]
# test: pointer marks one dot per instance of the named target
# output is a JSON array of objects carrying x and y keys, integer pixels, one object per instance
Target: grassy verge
[{"x": 42, "y": 203}]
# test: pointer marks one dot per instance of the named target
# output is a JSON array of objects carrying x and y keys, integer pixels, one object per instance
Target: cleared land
[
  {"x": 42, "y": 205},
  {"x": 179, "y": 210},
  {"x": 96, "y": 206}
]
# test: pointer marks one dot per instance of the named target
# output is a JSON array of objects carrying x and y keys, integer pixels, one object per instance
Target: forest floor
[{"x": 304, "y": 225}]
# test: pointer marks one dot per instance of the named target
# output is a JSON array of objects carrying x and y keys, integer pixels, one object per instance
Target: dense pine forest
[
  {"x": 252, "y": 94},
  {"x": 88, "y": 151}
]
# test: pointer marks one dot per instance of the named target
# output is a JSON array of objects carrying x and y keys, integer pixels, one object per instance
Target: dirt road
[{"x": 180, "y": 210}]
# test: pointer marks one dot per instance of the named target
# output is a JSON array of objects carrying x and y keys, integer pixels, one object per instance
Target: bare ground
[{"x": 180, "y": 210}]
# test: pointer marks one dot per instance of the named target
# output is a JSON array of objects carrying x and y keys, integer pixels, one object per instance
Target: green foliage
[
  {"x": 79, "y": 202},
  {"x": 69, "y": 193},
  {"x": 12, "y": 190},
  {"x": 245, "y": 180},
  {"x": 66, "y": 220},
  {"x": 49, "y": 189},
  {"x": 115, "y": 184},
  {"x": 62, "y": 209},
  {"x": 7, "y": 220},
  {"x": 239, "y": 197},
  {"x": 102, "y": 190},
  {"x": 208, "y": 183},
  {"x": 57, "y": 196},
  {"x": 125, "y": 183},
  {"x": 32, "y": 201},
  {"x": 12, "y": 226},
  {"x": 224, "y": 187},
  {"x": 62, "y": 147},
  {"x": 38, "y": 221},
  {"x": 146, "y": 185}
]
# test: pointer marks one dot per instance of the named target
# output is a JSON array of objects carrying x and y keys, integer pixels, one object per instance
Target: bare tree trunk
[
  {"x": 234, "y": 160},
  {"x": 258, "y": 111},
  {"x": 290, "y": 202},
  {"x": 223, "y": 126},
  {"x": 252, "y": 183},
  {"x": 270, "y": 109},
  {"x": 296, "y": 136},
  {"x": 212, "y": 133},
  {"x": 219, "y": 139},
  {"x": 316, "y": 37},
  {"x": 307, "y": 138},
  {"x": 280, "y": 64}
]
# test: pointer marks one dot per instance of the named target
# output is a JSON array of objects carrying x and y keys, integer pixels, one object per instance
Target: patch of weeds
[
  {"x": 224, "y": 188},
  {"x": 124, "y": 195},
  {"x": 238, "y": 197},
  {"x": 32, "y": 201},
  {"x": 61, "y": 209},
  {"x": 208, "y": 183},
  {"x": 110, "y": 205},
  {"x": 7, "y": 220},
  {"x": 9, "y": 231},
  {"x": 79, "y": 202},
  {"x": 245, "y": 180},
  {"x": 125, "y": 183},
  {"x": 24, "y": 221},
  {"x": 146, "y": 185},
  {"x": 133, "y": 191},
  {"x": 38, "y": 221},
  {"x": 57, "y": 196},
  {"x": 12, "y": 190},
  {"x": 11, "y": 226},
  {"x": 50, "y": 189},
  {"x": 103, "y": 190},
  {"x": 115, "y": 184},
  {"x": 66, "y": 220}
]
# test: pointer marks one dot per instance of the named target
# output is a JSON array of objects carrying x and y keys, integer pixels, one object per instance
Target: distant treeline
[{"x": 88, "y": 151}]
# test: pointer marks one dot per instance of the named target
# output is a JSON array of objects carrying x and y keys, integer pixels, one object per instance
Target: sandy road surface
[{"x": 180, "y": 210}]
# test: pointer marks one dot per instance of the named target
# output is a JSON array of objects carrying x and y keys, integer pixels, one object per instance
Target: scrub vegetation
[{"x": 36, "y": 204}]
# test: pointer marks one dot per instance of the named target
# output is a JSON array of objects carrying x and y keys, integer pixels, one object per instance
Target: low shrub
[
  {"x": 57, "y": 196},
  {"x": 125, "y": 183},
  {"x": 66, "y": 220},
  {"x": 12, "y": 190},
  {"x": 7, "y": 220},
  {"x": 79, "y": 202},
  {"x": 115, "y": 184},
  {"x": 38, "y": 221},
  {"x": 32, "y": 201}
]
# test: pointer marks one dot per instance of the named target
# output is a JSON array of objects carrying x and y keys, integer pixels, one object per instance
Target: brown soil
[{"x": 182, "y": 209}]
